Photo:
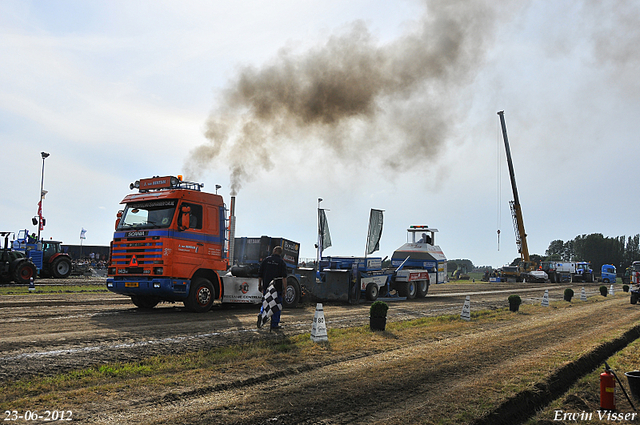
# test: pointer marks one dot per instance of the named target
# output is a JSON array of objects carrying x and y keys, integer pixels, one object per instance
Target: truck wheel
[
  {"x": 634, "y": 298},
  {"x": 201, "y": 295},
  {"x": 144, "y": 303},
  {"x": 61, "y": 268},
  {"x": 423, "y": 288},
  {"x": 24, "y": 271},
  {"x": 605, "y": 281},
  {"x": 408, "y": 289},
  {"x": 291, "y": 296},
  {"x": 372, "y": 292}
]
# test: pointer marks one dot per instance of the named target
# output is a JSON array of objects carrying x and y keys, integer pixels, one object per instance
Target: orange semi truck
[{"x": 169, "y": 244}]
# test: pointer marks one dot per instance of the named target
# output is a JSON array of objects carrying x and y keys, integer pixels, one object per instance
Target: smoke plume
[{"x": 352, "y": 94}]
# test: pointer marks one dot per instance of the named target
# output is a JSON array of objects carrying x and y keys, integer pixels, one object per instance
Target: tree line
[
  {"x": 620, "y": 251},
  {"x": 595, "y": 248}
]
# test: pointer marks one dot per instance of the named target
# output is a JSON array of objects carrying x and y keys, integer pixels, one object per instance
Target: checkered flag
[{"x": 270, "y": 303}]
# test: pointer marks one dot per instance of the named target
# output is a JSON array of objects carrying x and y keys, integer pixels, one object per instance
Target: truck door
[{"x": 190, "y": 246}]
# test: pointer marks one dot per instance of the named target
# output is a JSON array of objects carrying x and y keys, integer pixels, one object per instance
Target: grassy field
[
  {"x": 157, "y": 373},
  {"x": 584, "y": 396}
]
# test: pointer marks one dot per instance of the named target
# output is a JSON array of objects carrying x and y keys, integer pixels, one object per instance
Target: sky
[{"x": 365, "y": 104}]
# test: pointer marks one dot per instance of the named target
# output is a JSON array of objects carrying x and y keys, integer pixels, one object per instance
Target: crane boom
[{"x": 516, "y": 210}]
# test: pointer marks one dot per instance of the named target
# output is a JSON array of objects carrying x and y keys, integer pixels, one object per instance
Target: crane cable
[{"x": 499, "y": 182}]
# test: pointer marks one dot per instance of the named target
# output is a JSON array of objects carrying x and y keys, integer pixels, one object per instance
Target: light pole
[{"x": 40, "y": 219}]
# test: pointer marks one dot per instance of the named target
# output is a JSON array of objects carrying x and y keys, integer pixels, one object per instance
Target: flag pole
[
  {"x": 319, "y": 244},
  {"x": 366, "y": 247}
]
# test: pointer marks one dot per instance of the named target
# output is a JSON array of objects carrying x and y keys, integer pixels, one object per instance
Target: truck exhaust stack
[{"x": 232, "y": 229}]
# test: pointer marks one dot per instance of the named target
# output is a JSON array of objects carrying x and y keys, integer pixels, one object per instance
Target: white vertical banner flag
[
  {"x": 375, "y": 231},
  {"x": 323, "y": 231}
]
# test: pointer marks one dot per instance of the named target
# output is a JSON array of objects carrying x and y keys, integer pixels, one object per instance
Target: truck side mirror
[
  {"x": 34, "y": 221},
  {"x": 185, "y": 217},
  {"x": 118, "y": 218}
]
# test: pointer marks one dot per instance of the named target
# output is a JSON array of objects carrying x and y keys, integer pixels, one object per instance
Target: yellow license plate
[{"x": 131, "y": 284}]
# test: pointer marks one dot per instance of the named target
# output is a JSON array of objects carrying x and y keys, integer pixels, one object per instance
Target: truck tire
[
  {"x": 61, "y": 268},
  {"x": 144, "y": 303},
  {"x": 291, "y": 296},
  {"x": 634, "y": 298},
  {"x": 372, "y": 292},
  {"x": 201, "y": 295},
  {"x": 24, "y": 272},
  {"x": 408, "y": 289},
  {"x": 422, "y": 288}
]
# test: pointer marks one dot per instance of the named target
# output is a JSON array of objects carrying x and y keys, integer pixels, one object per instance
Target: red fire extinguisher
[{"x": 607, "y": 389}]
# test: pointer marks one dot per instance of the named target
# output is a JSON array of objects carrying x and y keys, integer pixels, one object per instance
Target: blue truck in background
[{"x": 608, "y": 273}]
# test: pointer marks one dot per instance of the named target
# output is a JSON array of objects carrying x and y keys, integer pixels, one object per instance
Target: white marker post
[
  {"x": 583, "y": 295},
  {"x": 466, "y": 309},
  {"x": 545, "y": 298},
  {"x": 319, "y": 328}
]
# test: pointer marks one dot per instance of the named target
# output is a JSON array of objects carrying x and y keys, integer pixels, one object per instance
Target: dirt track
[{"x": 43, "y": 334}]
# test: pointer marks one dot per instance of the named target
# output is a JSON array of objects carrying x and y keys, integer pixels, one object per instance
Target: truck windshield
[{"x": 145, "y": 215}]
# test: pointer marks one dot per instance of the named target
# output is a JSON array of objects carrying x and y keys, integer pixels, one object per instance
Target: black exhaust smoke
[{"x": 352, "y": 95}]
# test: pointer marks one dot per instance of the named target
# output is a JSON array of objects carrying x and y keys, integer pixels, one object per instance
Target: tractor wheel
[
  {"x": 61, "y": 268},
  {"x": 144, "y": 303},
  {"x": 201, "y": 295},
  {"x": 372, "y": 292},
  {"x": 291, "y": 296},
  {"x": 423, "y": 288},
  {"x": 24, "y": 272},
  {"x": 408, "y": 289}
]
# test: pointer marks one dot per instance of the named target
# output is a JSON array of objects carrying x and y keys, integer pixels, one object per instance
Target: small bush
[
  {"x": 603, "y": 291},
  {"x": 378, "y": 309},
  {"x": 625, "y": 288},
  {"x": 514, "y": 303},
  {"x": 568, "y": 294},
  {"x": 515, "y": 300}
]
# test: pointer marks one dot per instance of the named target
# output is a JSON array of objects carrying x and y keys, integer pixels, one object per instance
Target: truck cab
[
  {"x": 608, "y": 273},
  {"x": 169, "y": 244}
]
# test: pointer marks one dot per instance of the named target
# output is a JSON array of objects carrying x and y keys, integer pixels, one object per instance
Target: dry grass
[
  {"x": 584, "y": 396},
  {"x": 438, "y": 340}
]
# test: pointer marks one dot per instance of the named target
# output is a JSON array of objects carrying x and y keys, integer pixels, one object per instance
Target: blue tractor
[{"x": 14, "y": 265}]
